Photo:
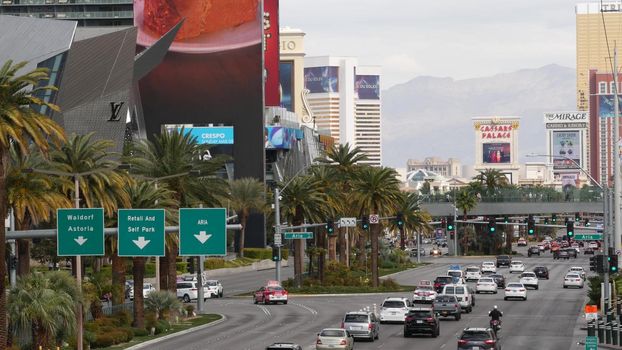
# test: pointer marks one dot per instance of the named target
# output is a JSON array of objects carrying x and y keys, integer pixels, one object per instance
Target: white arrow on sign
[
  {"x": 202, "y": 236},
  {"x": 80, "y": 240},
  {"x": 141, "y": 242}
]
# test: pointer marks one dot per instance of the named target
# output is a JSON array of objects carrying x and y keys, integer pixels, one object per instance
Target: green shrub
[
  {"x": 214, "y": 263},
  {"x": 284, "y": 254},
  {"x": 129, "y": 332},
  {"x": 258, "y": 253},
  {"x": 164, "y": 323},
  {"x": 140, "y": 332},
  {"x": 150, "y": 270},
  {"x": 123, "y": 317},
  {"x": 102, "y": 341},
  {"x": 389, "y": 283},
  {"x": 107, "y": 322},
  {"x": 118, "y": 335},
  {"x": 181, "y": 267},
  {"x": 190, "y": 309}
]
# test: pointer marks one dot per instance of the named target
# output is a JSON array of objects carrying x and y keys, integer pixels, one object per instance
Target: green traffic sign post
[
  {"x": 588, "y": 236},
  {"x": 202, "y": 232},
  {"x": 141, "y": 232},
  {"x": 591, "y": 342},
  {"x": 298, "y": 235},
  {"x": 80, "y": 232}
]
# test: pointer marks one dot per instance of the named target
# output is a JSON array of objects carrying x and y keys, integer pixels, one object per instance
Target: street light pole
[
  {"x": 79, "y": 315},
  {"x": 617, "y": 189},
  {"x": 455, "y": 226},
  {"x": 277, "y": 230}
]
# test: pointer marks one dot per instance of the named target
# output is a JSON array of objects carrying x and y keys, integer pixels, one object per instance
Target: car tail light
[
  {"x": 370, "y": 326},
  {"x": 342, "y": 325},
  {"x": 193, "y": 289},
  {"x": 343, "y": 342},
  {"x": 489, "y": 341},
  {"x": 456, "y": 305},
  {"x": 409, "y": 318},
  {"x": 521, "y": 290},
  {"x": 430, "y": 319},
  {"x": 319, "y": 342},
  {"x": 462, "y": 342},
  {"x": 507, "y": 289}
]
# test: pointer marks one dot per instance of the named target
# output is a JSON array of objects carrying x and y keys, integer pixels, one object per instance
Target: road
[{"x": 545, "y": 321}]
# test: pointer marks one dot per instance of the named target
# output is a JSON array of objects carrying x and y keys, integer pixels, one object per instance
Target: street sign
[
  {"x": 202, "y": 231},
  {"x": 278, "y": 239},
  {"x": 298, "y": 235},
  {"x": 80, "y": 231},
  {"x": 588, "y": 236},
  {"x": 347, "y": 222},
  {"x": 374, "y": 219},
  {"x": 591, "y": 342},
  {"x": 141, "y": 232}
]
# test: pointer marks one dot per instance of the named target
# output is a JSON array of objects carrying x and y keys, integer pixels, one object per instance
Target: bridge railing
[{"x": 586, "y": 194}]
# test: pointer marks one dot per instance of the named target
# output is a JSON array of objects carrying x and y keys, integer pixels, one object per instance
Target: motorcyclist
[{"x": 495, "y": 315}]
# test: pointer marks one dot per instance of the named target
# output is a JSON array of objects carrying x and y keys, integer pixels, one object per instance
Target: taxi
[{"x": 271, "y": 293}]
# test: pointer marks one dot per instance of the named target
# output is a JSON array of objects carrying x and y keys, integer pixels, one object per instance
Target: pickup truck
[{"x": 447, "y": 306}]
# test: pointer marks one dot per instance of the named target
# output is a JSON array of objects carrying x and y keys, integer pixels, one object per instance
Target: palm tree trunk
[
  {"x": 23, "y": 248},
  {"x": 343, "y": 259},
  {"x": 362, "y": 257},
  {"x": 242, "y": 235},
  {"x": 164, "y": 269},
  {"x": 4, "y": 163},
  {"x": 299, "y": 260},
  {"x": 332, "y": 248},
  {"x": 375, "y": 280},
  {"x": 138, "y": 271},
  {"x": 172, "y": 268},
  {"x": 321, "y": 257},
  {"x": 118, "y": 280}
]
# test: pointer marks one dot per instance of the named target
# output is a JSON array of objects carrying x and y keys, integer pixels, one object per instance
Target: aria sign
[{"x": 565, "y": 117}]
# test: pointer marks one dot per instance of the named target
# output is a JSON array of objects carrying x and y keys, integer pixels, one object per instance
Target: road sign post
[
  {"x": 298, "y": 235},
  {"x": 80, "y": 232},
  {"x": 202, "y": 232},
  {"x": 141, "y": 232}
]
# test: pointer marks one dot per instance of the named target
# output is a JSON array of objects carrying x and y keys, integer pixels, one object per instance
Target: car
[
  {"x": 362, "y": 324},
  {"x": 473, "y": 273},
  {"x": 189, "y": 290},
  {"x": 447, "y": 306},
  {"x": 334, "y": 338},
  {"x": 541, "y": 272},
  {"x": 588, "y": 250},
  {"x": 455, "y": 272},
  {"x": 474, "y": 338},
  {"x": 435, "y": 252},
  {"x": 486, "y": 285},
  {"x": 515, "y": 290},
  {"x": 572, "y": 253},
  {"x": 463, "y": 294},
  {"x": 440, "y": 282},
  {"x": 284, "y": 346},
  {"x": 573, "y": 280},
  {"x": 489, "y": 267},
  {"x": 593, "y": 245},
  {"x": 564, "y": 244},
  {"x": 413, "y": 252},
  {"x": 561, "y": 254},
  {"x": 424, "y": 293},
  {"x": 271, "y": 293},
  {"x": 422, "y": 320},
  {"x": 394, "y": 309},
  {"x": 147, "y": 288},
  {"x": 215, "y": 288},
  {"x": 578, "y": 270},
  {"x": 541, "y": 247},
  {"x": 521, "y": 242},
  {"x": 499, "y": 280},
  {"x": 546, "y": 244},
  {"x": 503, "y": 260},
  {"x": 529, "y": 279},
  {"x": 533, "y": 250},
  {"x": 517, "y": 266}
]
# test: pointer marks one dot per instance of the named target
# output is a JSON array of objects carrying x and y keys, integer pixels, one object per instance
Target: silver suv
[{"x": 361, "y": 324}]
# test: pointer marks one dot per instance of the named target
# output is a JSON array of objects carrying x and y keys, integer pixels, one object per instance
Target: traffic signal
[
  {"x": 593, "y": 263},
  {"x": 506, "y": 219},
  {"x": 330, "y": 226},
  {"x": 587, "y": 222},
  {"x": 554, "y": 218},
  {"x": 443, "y": 222},
  {"x": 365, "y": 222},
  {"x": 399, "y": 220},
  {"x": 492, "y": 225},
  {"x": 613, "y": 263},
  {"x": 276, "y": 253},
  {"x": 577, "y": 217},
  {"x": 531, "y": 225},
  {"x": 570, "y": 229},
  {"x": 450, "y": 223},
  {"x": 546, "y": 221},
  {"x": 600, "y": 263},
  {"x": 566, "y": 220}
]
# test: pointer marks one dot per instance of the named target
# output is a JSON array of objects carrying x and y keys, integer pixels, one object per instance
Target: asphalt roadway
[{"x": 547, "y": 320}]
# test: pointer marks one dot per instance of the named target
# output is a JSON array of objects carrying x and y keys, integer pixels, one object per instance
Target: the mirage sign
[{"x": 566, "y": 120}]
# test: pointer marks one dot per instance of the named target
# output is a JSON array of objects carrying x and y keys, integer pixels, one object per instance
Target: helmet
[{"x": 495, "y": 307}]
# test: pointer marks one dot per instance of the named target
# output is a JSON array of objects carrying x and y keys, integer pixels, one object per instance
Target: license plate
[
  {"x": 475, "y": 348},
  {"x": 356, "y": 328},
  {"x": 444, "y": 313},
  {"x": 419, "y": 321},
  {"x": 394, "y": 313}
]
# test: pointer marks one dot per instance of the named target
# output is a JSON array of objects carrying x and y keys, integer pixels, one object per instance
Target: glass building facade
[{"x": 85, "y": 12}]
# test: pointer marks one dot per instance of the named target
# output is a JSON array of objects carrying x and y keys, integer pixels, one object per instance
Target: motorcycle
[{"x": 495, "y": 325}]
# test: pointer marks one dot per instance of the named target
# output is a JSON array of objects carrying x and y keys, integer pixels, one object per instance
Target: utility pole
[
  {"x": 277, "y": 230},
  {"x": 617, "y": 189}
]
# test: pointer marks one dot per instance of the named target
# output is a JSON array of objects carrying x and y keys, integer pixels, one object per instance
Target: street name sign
[
  {"x": 141, "y": 232},
  {"x": 347, "y": 222},
  {"x": 80, "y": 232},
  {"x": 202, "y": 231},
  {"x": 591, "y": 342},
  {"x": 298, "y": 235},
  {"x": 588, "y": 236}
]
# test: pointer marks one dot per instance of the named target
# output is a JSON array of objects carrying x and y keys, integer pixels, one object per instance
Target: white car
[
  {"x": 462, "y": 293},
  {"x": 147, "y": 288},
  {"x": 424, "y": 293},
  {"x": 578, "y": 270},
  {"x": 593, "y": 245},
  {"x": 455, "y": 273},
  {"x": 515, "y": 290},
  {"x": 473, "y": 273},
  {"x": 517, "y": 266},
  {"x": 394, "y": 309},
  {"x": 529, "y": 279},
  {"x": 215, "y": 288},
  {"x": 188, "y": 291},
  {"x": 573, "y": 280},
  {"x": 489, "y": 266},
  {"x": 486, "y": 285}
]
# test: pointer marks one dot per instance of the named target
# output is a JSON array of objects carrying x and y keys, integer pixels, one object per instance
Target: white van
[
  {"x": 455, "y": 273},
  {"x": 463, "y": 293}
]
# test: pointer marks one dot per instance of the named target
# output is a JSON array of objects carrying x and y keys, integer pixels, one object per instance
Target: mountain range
[{"x": 431, "y": 116}]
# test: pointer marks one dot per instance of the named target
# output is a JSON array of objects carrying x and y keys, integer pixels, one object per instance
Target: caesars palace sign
[{"x": 493, "y": 132}]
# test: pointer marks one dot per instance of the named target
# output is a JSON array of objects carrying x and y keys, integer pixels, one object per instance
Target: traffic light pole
[
  {"x": 607, "y": 230},
  {"x": 277, "y": 230}
]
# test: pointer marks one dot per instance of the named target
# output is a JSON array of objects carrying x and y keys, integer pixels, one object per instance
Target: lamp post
[{"x": 455, "y": 223}]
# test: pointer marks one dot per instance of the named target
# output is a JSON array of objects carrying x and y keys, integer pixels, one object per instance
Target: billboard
[
  {"x": 278, "y": 137},
  {"x": 211, "y": 135},
  {"x": 367, "y": 87},
  {"x": 286, "y": 77},
  {"x": 322, "y": 79},
  {"x": 606, "y": 107},
  {"x": 567, "y": 146},
  {"x": 496, "y": 153},
  {"x": 271, "y": 51}
]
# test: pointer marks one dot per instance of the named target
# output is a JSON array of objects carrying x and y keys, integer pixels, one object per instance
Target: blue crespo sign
[{"x": 212, "y": 135}]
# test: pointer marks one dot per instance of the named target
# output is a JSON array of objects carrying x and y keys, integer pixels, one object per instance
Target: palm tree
[
  {"x": 21, "y": 125},
  {"x": 465, "y": 201},
  {"x": 161, "y": 302},
  {"x": 247, "y": 195},
  {"x": 41, "y": 309},
  {"x": 34, "y": 198},
  {"x": 171, "y": 155},
  {"x": 145, "y": 195},
  {"x": 493, "y": 179},
  {"x": 375, "y": 191},
  {"x": 409, "y": 204},
  {"x": 302, "y": 199},
  {"x": 326, "y": 177}
]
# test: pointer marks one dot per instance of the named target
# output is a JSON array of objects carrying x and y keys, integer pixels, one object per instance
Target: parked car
[
  {"x": 362, "y": 324},
  {"x": 541, "y": 272},
  {"x": 463, "y": 294},
  {"x": 334, "y": 338},
  {"x": 271, "y": 293},
  {"x": 478, "y": 338},
  {"x": 503, "y": 260},
  {"x": 533, "y": 250},
  {"x": 422, "y": 320},
  {"x": 215, "y": 288},
  {"x": 394, "y": 309},
  {"x": 447, "y": 306},
  {"x": 147, "y": 288}
]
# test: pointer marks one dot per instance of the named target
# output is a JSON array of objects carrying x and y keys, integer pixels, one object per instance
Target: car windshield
[
  {"x": 486, "y": 263},
  {"x": 211, "y": 283},
  {"x": 572, "y": 276},
  {"x": 515, "y": 285},
  {"x": 503, "y": 257},
  {"x": 454, "y": 273},
  {"x": 146, "y": 286},
  {"x": 517, "y": 262},
  {"x": 528, "y": 274},
  {"x": 395, "y": 304},
  {"x": 485, "y": 280},
  {"x": 539, "y": 268},
  {"x": 356, "y": 318},
  {"x": 333, "y": 333},
  {"x": 420, "y": 313},
  {"x": 475, "y": 335},
  {"x": 445, "y": 299},
  {"x": 577, "y": 269},
  {"x": 472, "y": 269},
  {"x": 275, "y": 289},
  {"x": 425, "y": 288},
  {"x": 444, "y": 279}
]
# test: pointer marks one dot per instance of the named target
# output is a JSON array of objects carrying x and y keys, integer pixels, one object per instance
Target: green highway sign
[
  {"x": 588, "y": 236},
  {"x": 591, "y": 342},
  {"x": 80, "y": 231},
  {"x": 202, "y": 231},
  {"x": 298, "y": 235},
  {"x": 141, "y": 232}
]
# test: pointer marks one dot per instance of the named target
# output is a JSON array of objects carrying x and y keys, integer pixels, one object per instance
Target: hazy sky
[{"x": 455, "y": 38}]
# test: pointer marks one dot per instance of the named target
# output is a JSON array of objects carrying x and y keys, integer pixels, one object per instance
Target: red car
[{"x": 270, "y": 294}]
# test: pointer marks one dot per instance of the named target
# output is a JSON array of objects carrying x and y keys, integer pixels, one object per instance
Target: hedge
[{"x": 263, "y": 253}]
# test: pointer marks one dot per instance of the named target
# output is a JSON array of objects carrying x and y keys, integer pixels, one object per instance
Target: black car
[
  {"x": 440, "y": 282},
  {"x": 421, "y": 320},
  {"x": 572, "y": 253},
  {"x": 533, "y": 250},
  {"x": 478, "y": 338},
  {"x": 499, "y": 280},
  {"x": 588, "y": 250},
  {"x": 504, "y": 260},
  {"x": 284, "y": 346},
  {"x": 541, "y": 272}
]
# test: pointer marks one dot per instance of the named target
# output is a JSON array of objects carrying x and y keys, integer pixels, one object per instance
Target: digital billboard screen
[
  {"x": 606, "y": 107},
  {"x": 278, "y": 137},
  {"x": 496, "y": 153},
  {"x": 566, "y": 148},
  {"x": 367, "y": 87},
  {"x": 322, "y": 79},
  {"x": 286, "y": 76}
]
